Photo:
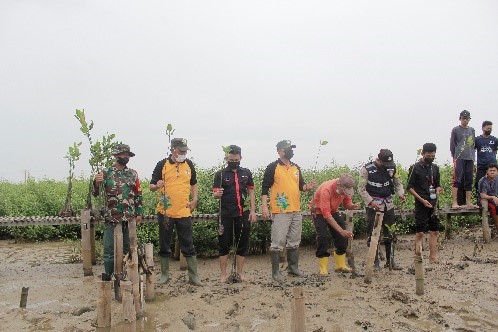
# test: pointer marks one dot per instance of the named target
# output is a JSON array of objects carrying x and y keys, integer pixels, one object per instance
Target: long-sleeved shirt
[
  {"x": 462, "y": 143},
  {"x": 327, "y": 201}
]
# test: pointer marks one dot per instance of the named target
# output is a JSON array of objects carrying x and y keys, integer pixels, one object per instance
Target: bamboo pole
[
  {"x": 282, "y": 255},
  {"x": 24, "y": 297},
  {"x": 149, "y": 279},
  {"x": 349, "y": 250},
  {"x": 374, "y": 243},
  {"x": 118, "y": 260},
  {"x": 133, "y": 267},
  {"x": 177, "y": 248},
  {"x": 92, "y": 243},
  {"x": 129, "y": 314},
  {"x": 419, "y": 269},
  {"x": 104, "y": 304},
  {"x": 297, "y": 311},
  {"x": 183, "y": 262},
  {"x": 486, "y": 231},
  {"x": 447, "y": 226},
  {"x": 86, "y": 244}
]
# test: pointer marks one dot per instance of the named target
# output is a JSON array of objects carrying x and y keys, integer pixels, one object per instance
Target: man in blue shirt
[
  {"x": 486, "y": 146},
  {"x": 488, "y": 189}
]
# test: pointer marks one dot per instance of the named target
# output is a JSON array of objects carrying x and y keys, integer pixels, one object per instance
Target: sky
[{"x": 363, "y": 75}]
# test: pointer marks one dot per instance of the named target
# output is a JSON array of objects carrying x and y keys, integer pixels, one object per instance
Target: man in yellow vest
[
  {"x": 283, "y": 181},
  {"x": 174, "y": 178}
]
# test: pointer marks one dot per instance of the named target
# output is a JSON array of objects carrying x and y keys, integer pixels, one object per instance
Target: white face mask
[{"x": 181, "y": 158}]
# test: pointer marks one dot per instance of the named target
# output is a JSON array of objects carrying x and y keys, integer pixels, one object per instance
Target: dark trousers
[
  {"x": 388, "y": 220},
  {"x": 183, "y": 231},
  {"x": 322, "y": 227},
  {"x": 238, "y": 229},
  {"x": 463, "y": 174},
  {"x": 424, "y": 217},
  {"x": 108, "y": 255}
]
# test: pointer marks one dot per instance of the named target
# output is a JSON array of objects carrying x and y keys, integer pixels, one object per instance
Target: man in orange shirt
[{"x": 325, "y": 212}]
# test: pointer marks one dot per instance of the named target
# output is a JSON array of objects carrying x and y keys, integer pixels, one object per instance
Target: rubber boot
[
  {"x": 323, "y": 262},
  {"x": 293, "y": 263},
  {"x": 108, "y": 270},
  {"x": 164, "y": 270},
  {"x": 193, "y": 277},
  {"x": 340, "y": 263},
  {"x": 388, "y": 258},
  {"x": 275, "y": 268}
]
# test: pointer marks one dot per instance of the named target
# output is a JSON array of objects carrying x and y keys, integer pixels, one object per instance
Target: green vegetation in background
[{"x": 46, "y": 197}]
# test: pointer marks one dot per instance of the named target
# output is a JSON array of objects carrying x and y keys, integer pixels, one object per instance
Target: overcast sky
[{"x": 363, "y": 75}]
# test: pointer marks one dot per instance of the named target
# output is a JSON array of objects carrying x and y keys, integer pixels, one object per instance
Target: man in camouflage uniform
[{"x": 124, "y": 201}]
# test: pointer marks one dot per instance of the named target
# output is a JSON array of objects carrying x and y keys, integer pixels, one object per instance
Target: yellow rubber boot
[
  {"x": 323, "y": 262},
  {"x": 340, "y": 264}
]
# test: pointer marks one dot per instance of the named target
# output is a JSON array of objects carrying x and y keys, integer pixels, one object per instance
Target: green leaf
[{"x": 324, "y": 142}]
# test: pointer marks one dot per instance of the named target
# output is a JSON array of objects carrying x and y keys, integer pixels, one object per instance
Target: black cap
[
  {"x": 465, "y": 114},
  {"x": 180, "y": 143},
  {"x": 386, "y": 156}
]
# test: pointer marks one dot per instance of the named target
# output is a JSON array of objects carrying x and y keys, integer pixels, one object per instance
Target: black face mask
[
  {"x": 487, "y": 132},
  {"x": 288, "y": 154},
  {"x": 233, "y": 164},
  {"x": 123, "y": 160},
  {"x": 428, "y": 161}
]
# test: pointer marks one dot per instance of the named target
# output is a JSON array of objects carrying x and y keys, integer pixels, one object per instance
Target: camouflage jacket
[{"x": 123, "y": 193}]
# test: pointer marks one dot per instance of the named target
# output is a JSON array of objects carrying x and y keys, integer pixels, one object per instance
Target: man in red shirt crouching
[{"x": 326, "y": 217}]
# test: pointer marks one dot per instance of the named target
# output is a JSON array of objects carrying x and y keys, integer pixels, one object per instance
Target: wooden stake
[
  {"x": 104, "y": 304},
  {"x": 349, "y": 250},
  {"x": 486, "y": 231},
  {"x": 129, "y": 314},
  {"x": 149, "y": 279},
  {"x": 419, "y": 270},
  {"x": 183, "y": 262},
  {"x": 133, "y": 267},
  {"x": 24, "y": 297},
  {"x": 118, "y": 260},
  {"x": 447, "y": 226},
  {"x": 92, "y": 243},
  {"x": 282, "y": 255},
  {"x": 297, "y": 307},
  {"x": 374, "y": 243},
  {"x": 177, "y": 248},
  {"x": 86, "y": 245}
]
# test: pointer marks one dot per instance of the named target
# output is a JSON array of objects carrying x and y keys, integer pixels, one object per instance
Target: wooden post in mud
[
  {"x": 183, "y": 262},
  {"x": 24, "y": 297},
  {"x": 149, "y": 279},
  {"x": 447, "y": 226},
  {"x": 282, "y": 255},
  {"x": 486, "y": 231},
  {"x": 349, "y": 249},
  {"x": 129, "y": 314},
  {"x": 104, "y": 304},
  {"x": 297, "y": 310},
  {"x": 86, "y": 243},
  {"x": 419, "y": 269},
  {"x": 118, "y": 260},
  {"x": 176, "y": 254},
  {"x": 92, "y": 243},
  {"x": 374, "y": 243},
  {"x": 132, "y": 267}
]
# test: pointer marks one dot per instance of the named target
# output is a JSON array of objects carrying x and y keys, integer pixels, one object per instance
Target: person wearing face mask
[
  {"x": 326, "y": 218},
  {"x": 283, "y": 181},
  {"x": 486, "y": 146},
  {"x": 424, "y": 185},
  {"x": 175, "y": 181},
  {"x": 462, "y": 149},
  {"x": 124, "y": 202},
  {"x": 234, "y": 186},
  {"x": 377, "y": 185}
]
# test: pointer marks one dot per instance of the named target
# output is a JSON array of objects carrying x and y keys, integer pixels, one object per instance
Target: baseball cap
[
  {"x": 386, "y": 156},
  {"x": 180, "y": 143},
  {"x": 285, "y": 144},
  {"x": 346, "y": 181},
  {"x": 120, "y": 147},
  {"x": 465, "y": 114}
]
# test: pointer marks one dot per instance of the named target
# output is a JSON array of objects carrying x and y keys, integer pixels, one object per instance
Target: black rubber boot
[
  {"x": 275, "y": 268},
  {"x": 293, "y": 263},
  {"x": 388, "y": 258}
]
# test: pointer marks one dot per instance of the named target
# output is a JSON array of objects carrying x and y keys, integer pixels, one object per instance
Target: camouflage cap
[
  {"x": 180, "y": 143},
  {"x": 120, "y": 148},
  {"x": 285, "y": 144}
]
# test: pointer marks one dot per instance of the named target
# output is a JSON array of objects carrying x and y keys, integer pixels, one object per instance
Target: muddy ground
[{"x": 461, "y": 293}]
